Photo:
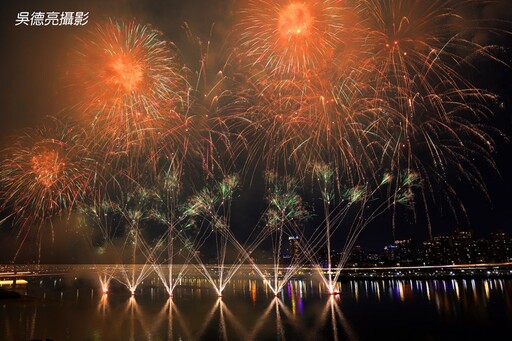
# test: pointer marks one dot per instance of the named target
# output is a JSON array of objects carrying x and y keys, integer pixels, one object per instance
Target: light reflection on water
[
  {"x": 444, "y": 294},
  {"x": 73, "y": 308}
]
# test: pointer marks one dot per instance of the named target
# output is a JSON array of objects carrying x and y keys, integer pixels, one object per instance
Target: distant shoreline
[{"x": 491, "y": 270}]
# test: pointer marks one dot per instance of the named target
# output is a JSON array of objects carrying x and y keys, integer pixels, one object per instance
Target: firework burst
[
  {"x": 45, "y": 171},
  {"x": 286, "y": 38},
  {"x": 129, "y": 83}
]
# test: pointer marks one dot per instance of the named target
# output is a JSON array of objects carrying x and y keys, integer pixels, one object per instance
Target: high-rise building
[
  {"x": 391, "y": 254},
  {"x": 438, "y": 251},
  {"x": 463, "y": 252},
  {"x": 406, "y": 251},
  {"x": 374, "y": 259},
  {"x": 501, "y": 247},
  {"x": 357, "y": 256},
  {"x": 481, "y": 251}
]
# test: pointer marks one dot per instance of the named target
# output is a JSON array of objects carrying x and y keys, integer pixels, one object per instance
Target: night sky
[{"x": 35, "y": 68}]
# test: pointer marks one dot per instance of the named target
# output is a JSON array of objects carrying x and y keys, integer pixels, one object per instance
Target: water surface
[{"x": 72, "y": 307}]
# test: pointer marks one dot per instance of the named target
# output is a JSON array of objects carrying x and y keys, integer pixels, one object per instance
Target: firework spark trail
[
  {"x": 364, "y": 205},
  {"x": 244, "y": 251},
  {"x": 164, "y": 249},
  {"x": 433, "y": 111},
  {"x": 301, "y": 123},
  {"x": 129, "y": 203},
  {"x": 216, "y": 106},
  {"x": 394, "y": 96},
  {"x": 213, "y": 206},
  {"x": 284, "y": 215},
  {"x": 166, "y": 212}
]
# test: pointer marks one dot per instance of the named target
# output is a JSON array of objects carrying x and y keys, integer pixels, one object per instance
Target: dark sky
[{"x": 34, "y": 85}]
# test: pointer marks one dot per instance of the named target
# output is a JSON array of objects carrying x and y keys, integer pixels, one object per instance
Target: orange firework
[
  {"x": 47, "y": 166},
  {"x": 128, "y": 83},
  {"x": 44, "y": 172},
  {"x": 287, "y": 38}
]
